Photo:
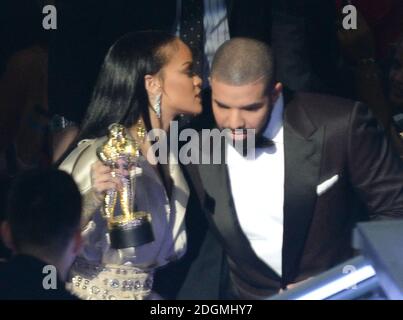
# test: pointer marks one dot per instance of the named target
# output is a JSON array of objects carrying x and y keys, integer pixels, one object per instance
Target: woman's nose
[{"x": 197, "y": 81}]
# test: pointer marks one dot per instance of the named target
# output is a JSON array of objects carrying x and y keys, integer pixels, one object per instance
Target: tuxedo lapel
[
  {"x": 217, "y": 196},
  {"x": 179, "y": 198},
  {"x": 302, "y": 153}
]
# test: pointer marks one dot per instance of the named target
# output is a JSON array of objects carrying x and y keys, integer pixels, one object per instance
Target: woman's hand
[{"x": 102, "y": 179}]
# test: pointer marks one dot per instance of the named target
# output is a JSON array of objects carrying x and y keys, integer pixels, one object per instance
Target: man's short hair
[
  {"x": 242, "y": 61},
  {"x": 44, "y": 210}
]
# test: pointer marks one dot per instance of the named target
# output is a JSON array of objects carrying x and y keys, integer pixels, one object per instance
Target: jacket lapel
[
  {"x": 302, "y": 153},
  {"x": 217, "y": 195},
  {"x": 179, "y": 198}
]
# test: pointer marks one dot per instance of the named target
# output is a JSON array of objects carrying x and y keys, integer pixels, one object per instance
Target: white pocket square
[{"x": 326, "y": 185}]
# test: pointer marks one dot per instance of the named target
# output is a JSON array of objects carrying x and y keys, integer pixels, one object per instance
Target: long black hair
[{"x": 120, "y": 94}]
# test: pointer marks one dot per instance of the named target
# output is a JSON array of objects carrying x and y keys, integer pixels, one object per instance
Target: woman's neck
[{"x": 161, "y": 123}]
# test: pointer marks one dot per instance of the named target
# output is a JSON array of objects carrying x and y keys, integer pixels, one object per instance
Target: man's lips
[{"x": 241, "y": 134}]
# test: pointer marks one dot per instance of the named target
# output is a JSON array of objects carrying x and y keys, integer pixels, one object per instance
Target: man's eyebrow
[
  {"x": 247, "y": 107},
  {"x": 253, "y": 106},
  {"x": 220, "y": 104}
]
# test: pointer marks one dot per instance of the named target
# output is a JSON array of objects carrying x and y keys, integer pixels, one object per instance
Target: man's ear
[
  {"x": 276, "y": 92},
  {"x": 7, "y": 236},
  {"x": 152, "y": 84}
]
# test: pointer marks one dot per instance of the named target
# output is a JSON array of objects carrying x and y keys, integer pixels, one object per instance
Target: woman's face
[{"x": 181, "y": 88}]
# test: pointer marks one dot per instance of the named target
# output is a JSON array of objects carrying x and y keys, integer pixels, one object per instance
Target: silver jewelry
[{"x": 157, "y": 106}]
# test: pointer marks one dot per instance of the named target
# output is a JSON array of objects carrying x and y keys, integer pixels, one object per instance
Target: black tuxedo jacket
[
  {"x": 324, "y": 137},
  {"x": 21, "y": 279}
]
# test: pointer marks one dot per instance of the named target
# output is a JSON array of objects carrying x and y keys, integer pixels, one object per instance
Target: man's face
[{"x": 242, "y": 107}]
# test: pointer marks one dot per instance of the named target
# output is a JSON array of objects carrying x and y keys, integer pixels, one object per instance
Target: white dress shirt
[{"x": 258, "y": 191}]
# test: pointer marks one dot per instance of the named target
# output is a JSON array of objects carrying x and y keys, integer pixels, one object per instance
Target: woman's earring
[{"x": 157, "y": 106}]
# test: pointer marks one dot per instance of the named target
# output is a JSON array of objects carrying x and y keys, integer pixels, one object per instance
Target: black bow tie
[
  {"x": 263, "y": 142},
  {"x": 260, "y": 143}
]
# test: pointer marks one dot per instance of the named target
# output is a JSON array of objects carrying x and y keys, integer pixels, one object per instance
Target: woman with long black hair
[{"x": 145, "y": 82}]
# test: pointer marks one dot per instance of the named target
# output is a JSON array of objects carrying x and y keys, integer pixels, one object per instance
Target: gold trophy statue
[{"x": 127, "y": 228}]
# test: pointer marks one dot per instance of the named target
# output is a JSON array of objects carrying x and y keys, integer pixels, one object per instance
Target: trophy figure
[{"x": 127, "y": 228}]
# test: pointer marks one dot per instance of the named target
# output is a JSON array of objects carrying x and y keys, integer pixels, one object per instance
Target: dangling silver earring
[{"x": 157, "y": 106}]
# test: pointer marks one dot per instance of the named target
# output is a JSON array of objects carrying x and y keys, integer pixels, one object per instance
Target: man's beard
[{"x": 243, "y": 146}]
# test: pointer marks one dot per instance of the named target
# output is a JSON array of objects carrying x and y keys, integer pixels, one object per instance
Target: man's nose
[{"x": 236, "y": 120}]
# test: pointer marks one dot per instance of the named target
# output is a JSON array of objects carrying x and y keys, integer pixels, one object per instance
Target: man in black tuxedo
[
  {"x": 42, "y": 228},
  {"x": 287, "y": 214}
]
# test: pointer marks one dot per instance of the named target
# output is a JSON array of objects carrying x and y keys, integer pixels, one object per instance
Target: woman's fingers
[
  {"x": 102, "y": 178},
  {"x": 104, "y": 186},
  {"x": 100, "y": 168}
]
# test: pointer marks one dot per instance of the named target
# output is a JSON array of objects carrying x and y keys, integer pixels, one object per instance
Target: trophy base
[{"x": 131, "y": 234}]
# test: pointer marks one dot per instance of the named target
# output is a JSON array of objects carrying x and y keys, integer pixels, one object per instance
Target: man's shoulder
[
  {"x": 22, "y": 278},
  {"x": 320, "y": 108},
  {"x": 321, "y": 102}
]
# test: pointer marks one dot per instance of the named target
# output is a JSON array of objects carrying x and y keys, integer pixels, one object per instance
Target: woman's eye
[{"x": 190, "y": 71}]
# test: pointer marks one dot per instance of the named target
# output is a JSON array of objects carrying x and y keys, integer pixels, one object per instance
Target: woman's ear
[{"x": 152, "y": 84}]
